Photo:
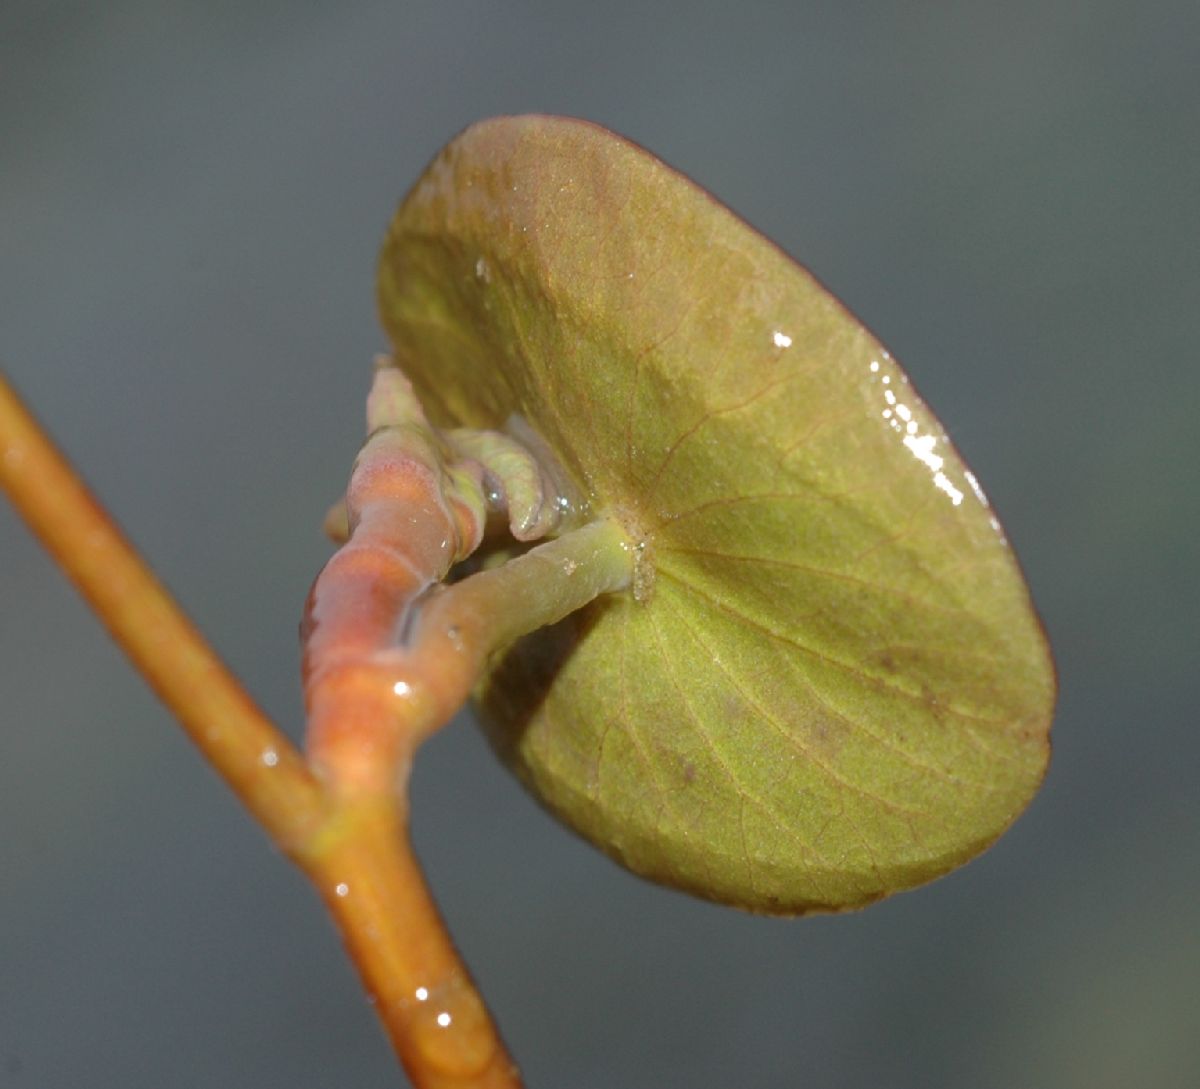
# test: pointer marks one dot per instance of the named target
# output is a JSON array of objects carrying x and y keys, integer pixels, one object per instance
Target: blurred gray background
[{"x": 191, "y": 197}]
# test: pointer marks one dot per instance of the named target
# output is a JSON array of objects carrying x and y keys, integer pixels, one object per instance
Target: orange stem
[
  {"x": 364, "y": 723},
  {"x": 255, "y": 759},
  {"x": 364, "y": 867}
]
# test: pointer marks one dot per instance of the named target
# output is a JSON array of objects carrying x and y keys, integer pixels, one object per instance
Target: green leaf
[{"x": 835, "y": 686}]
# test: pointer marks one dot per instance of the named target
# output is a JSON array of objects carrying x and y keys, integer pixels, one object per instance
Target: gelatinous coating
[
  {"x": 521, "y": 487},
  {"x": 410, "y": 515},
  {"x": 384, "y": 662},
  {"x": 832, "y": 685}
]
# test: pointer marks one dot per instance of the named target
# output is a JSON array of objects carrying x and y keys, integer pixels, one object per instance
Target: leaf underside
[{"x": 836, "y": 687}]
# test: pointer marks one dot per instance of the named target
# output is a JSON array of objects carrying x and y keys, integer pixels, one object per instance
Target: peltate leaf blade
[{"x": 836, "y": 686}]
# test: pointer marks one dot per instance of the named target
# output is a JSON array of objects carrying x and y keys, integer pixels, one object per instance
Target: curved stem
[
  {"x": 547, "y": 583},
  {"x": 255, "y": 759},
  {"x": 458, "y": 627}
]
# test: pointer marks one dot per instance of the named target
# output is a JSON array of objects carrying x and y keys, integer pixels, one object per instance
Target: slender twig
[
  {"x": 250, "y": 753},
  {"x": 364, "y": 867}
]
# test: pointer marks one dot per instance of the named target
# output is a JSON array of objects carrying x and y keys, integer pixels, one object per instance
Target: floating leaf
[{"x": 834, "y": 685}]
